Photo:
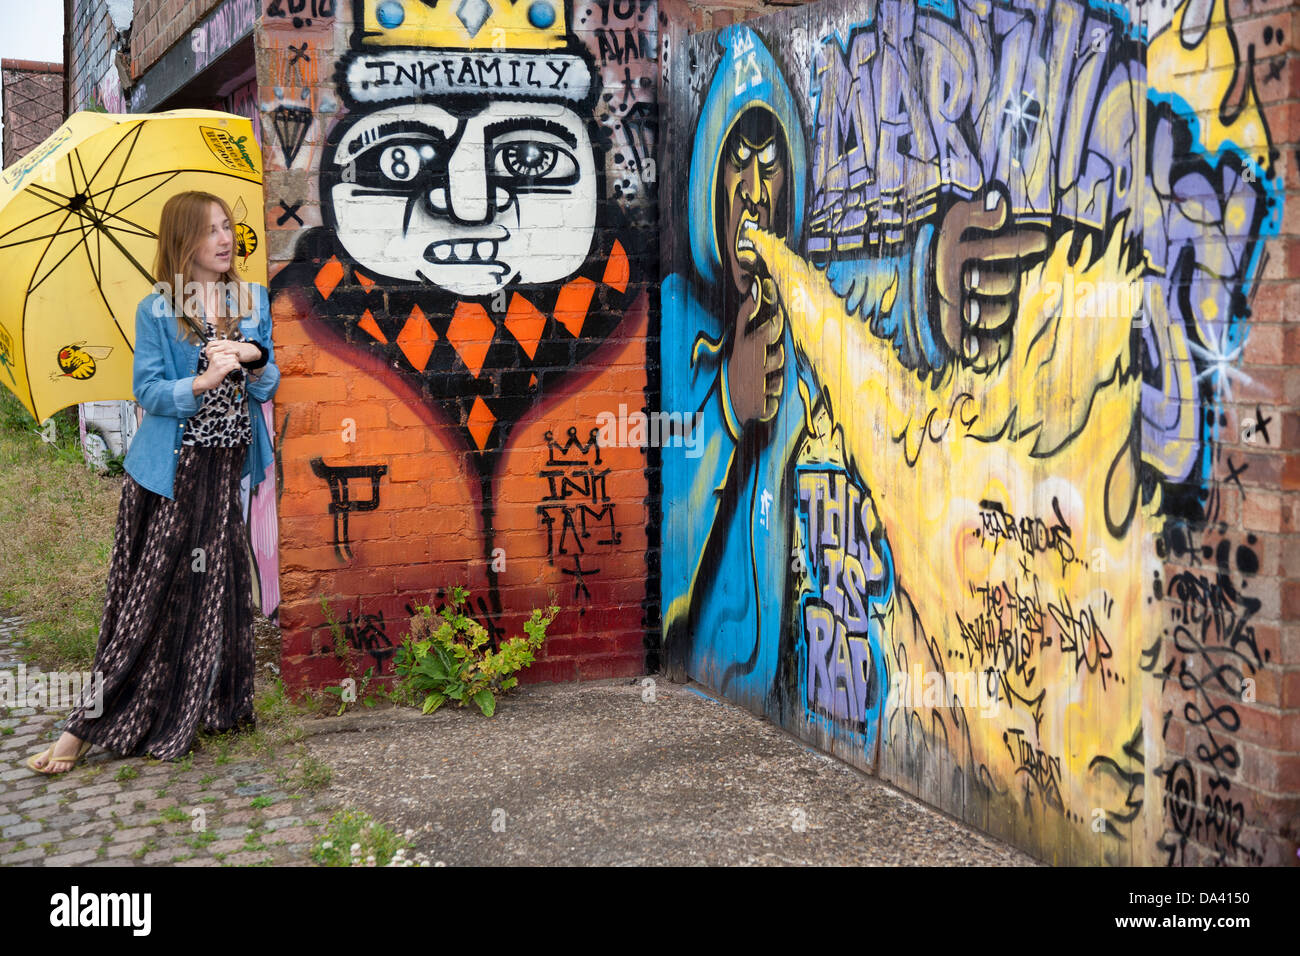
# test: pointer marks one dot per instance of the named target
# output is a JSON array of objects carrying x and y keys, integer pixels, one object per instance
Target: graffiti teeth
[{"x": 480, "y": 251}]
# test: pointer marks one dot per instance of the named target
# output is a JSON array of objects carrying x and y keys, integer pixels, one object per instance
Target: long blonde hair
[{"x": 181, "y": 231}]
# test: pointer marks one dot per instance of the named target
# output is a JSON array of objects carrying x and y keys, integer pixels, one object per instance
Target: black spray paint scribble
[{"x": 341, "y": 504}]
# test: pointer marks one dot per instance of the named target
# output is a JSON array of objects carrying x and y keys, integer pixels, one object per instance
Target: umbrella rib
[
  {"x": 142, "y": 270},
  {"x": 72, "y": 174},
  {"x": 134, "y": 135},
  {"x": 20, "y": 242},
  {"x": 135, "y": 138},
  {"x": 32, "y": 288},
  {"x": 86, "y": 230},
  {"x": 84, "y": 178},
  {"x": 37, "y": 268},
  {"x": 27, "y": 365},
  {"x": 53, "y": 212},
  {"x": 145, "y": 233}
]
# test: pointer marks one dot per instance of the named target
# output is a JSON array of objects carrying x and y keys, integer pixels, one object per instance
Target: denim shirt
[{"x": 164, "y": 370}]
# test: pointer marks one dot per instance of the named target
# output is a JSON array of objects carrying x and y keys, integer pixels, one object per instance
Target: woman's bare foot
[{"x": 62, "y": 758}]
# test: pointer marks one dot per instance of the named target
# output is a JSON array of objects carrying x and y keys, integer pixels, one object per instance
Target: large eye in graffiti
[
  {"x": 534, "y": 158},
  {"x": 402, "y": 162}
]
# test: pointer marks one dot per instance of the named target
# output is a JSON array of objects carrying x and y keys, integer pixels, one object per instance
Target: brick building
[{"x": 33, "y": 104}]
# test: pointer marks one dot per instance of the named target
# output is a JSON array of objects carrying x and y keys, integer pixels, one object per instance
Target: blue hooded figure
[
  {"x": 729, "y": 553},
  {"x": 726, "y": 540}
]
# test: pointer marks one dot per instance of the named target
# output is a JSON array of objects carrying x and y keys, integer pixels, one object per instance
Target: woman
[{"x": 176, "y": 643}]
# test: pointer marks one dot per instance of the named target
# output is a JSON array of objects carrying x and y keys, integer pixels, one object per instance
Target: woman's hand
[
  {"x": 221, "y": 363},
  {"x": 243, "y": 351}
]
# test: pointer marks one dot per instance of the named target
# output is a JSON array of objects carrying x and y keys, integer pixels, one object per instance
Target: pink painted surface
[{"x": 264, "y": 532}]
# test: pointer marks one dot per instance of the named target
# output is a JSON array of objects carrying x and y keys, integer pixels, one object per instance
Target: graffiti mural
[
  {"x": 471, "y": 283},
  {"x": 959, "y": 290}
]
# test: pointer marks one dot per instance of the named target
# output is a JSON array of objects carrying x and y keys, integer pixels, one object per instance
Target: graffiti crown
[
  {"x": 464, "y": 24},
  {"x": 415, "y": 49}
]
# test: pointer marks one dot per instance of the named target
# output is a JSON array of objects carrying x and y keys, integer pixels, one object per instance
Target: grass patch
[
  {"x": 174, "y": 815},
  {"x": 348, "y": 827},
  {"x": 309, "y": 774},
  {"x": 200, "y": 840},
  {"x": 261, "y": 803},
  {"x": 57, "y": 519},
  {"x": 126, "y": 773}
]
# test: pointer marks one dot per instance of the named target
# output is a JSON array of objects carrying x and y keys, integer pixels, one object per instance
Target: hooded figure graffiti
[
  {"x": 724, "y": 589},
  {"x": 773, "y": 509}
]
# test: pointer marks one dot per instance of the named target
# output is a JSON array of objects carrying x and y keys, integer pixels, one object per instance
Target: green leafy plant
[
  {"x": 347, "y": 656},
  {"x": 446, "y": 656}
]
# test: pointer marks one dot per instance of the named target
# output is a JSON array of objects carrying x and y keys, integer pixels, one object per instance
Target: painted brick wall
[
  {"x": 1231, "y": 775},
  {"x": 444, "y": 382},
  {"x": 1017, "y": 530},
  {"x": 90, "y": 51},
  {"x": 716, "y": 15}
]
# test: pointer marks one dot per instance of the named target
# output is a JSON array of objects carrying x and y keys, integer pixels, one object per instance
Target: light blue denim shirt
[{"x": 164, "y": 370}]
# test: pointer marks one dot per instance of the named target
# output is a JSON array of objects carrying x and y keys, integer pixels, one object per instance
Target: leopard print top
[{"x": 222, "y": 419}]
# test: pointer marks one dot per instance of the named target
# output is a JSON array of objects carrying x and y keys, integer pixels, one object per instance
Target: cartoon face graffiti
[
  {"x": 751, "y": 187},
  {"x": 471, "y": 204}
]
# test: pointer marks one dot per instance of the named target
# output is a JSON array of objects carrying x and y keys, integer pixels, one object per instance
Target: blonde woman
[{"x": 176, "y": 642}]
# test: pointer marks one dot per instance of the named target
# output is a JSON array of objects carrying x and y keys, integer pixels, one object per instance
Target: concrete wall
[
  {"x": 997, "y": 496},
  {"x": 459, "y": 213}
]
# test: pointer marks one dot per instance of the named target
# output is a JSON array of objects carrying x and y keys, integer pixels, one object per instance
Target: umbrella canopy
[{"x": 79, "y": 221}]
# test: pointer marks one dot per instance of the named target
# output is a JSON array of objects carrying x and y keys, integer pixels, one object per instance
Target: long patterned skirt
[{"x": 176, "y": 643}]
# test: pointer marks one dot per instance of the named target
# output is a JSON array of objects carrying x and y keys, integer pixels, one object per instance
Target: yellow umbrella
[{"x": 79, "y": 219}]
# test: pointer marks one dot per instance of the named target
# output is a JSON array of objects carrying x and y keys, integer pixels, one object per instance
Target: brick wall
[
  {"x": 439, "y": 431},
  {"x": 33, "y": 104},
  {"x": 90, "y": 50},
  {"x": 716, "y": 15},
  {"x": 1233, "y": 581},
  {"x": 158, "y": 25}
]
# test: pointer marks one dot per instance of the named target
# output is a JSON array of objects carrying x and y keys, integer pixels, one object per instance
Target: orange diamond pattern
[
  {"x": 572, "y": 303},
  {"x": 416, "y": 339},
  {"x": 481, "y": 421},
  {"x": 525, "y": 323},
  {"x": 470, "y": 334},
  {"x": 616, "y": 270},
  {"x": 329, "y": 276},
  {"x": 367, "y": 283},
  {"x": 368, "y": 323}
]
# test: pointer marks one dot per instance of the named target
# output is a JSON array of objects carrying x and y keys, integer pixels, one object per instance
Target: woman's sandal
[{"x": 50, "y": 758}]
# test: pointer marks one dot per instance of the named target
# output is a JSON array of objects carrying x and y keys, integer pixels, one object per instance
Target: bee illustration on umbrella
[
  {"x": 77, "y": 361},
  {"x": 245, "y": 235}
]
